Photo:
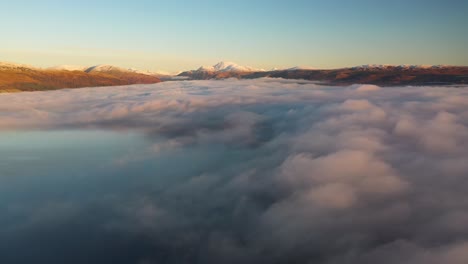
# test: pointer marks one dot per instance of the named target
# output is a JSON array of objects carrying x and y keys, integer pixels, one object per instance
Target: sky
[{"x": 179, "y": 35}]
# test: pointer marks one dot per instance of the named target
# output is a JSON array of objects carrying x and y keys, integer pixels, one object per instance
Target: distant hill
[
  {"x": 386, "y": 75},
  {"x": 19, "y": 77}
]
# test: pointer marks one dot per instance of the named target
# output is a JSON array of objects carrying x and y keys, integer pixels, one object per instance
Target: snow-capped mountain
[
  {"x": 153, "y": 73},
  {"x": 106, "y": 68},
  {"x": 225, "y": 66},
  {"x": 220, "y": 70}
]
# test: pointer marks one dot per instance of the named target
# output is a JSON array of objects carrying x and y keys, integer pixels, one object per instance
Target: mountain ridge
[
  {"x": 20, "y": 77},
  {"x": 379, "y": 74}
]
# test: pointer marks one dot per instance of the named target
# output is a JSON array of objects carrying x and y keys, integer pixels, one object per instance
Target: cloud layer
[{"x": 263, "y": 171}]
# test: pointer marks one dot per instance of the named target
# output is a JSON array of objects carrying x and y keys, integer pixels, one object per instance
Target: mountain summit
[{"x": 227, "y": 66}]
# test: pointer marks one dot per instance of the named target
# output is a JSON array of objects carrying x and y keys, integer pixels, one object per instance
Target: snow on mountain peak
[
  {"x": 225, "y": 66},
  {"x": 153, "y": 73},
  {"x": 106, "y": 68}
]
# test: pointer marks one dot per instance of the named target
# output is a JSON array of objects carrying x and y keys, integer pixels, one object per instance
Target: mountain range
[
  {"x": 386, "y": 75},
  {"x": 20, "y": 77}
]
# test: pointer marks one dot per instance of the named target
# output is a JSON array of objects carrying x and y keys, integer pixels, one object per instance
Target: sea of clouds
[{"x": 305, "y": 173}]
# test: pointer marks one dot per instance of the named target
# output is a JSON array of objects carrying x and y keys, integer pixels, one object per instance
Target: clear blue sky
[{"x": 176, "y": 35}]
